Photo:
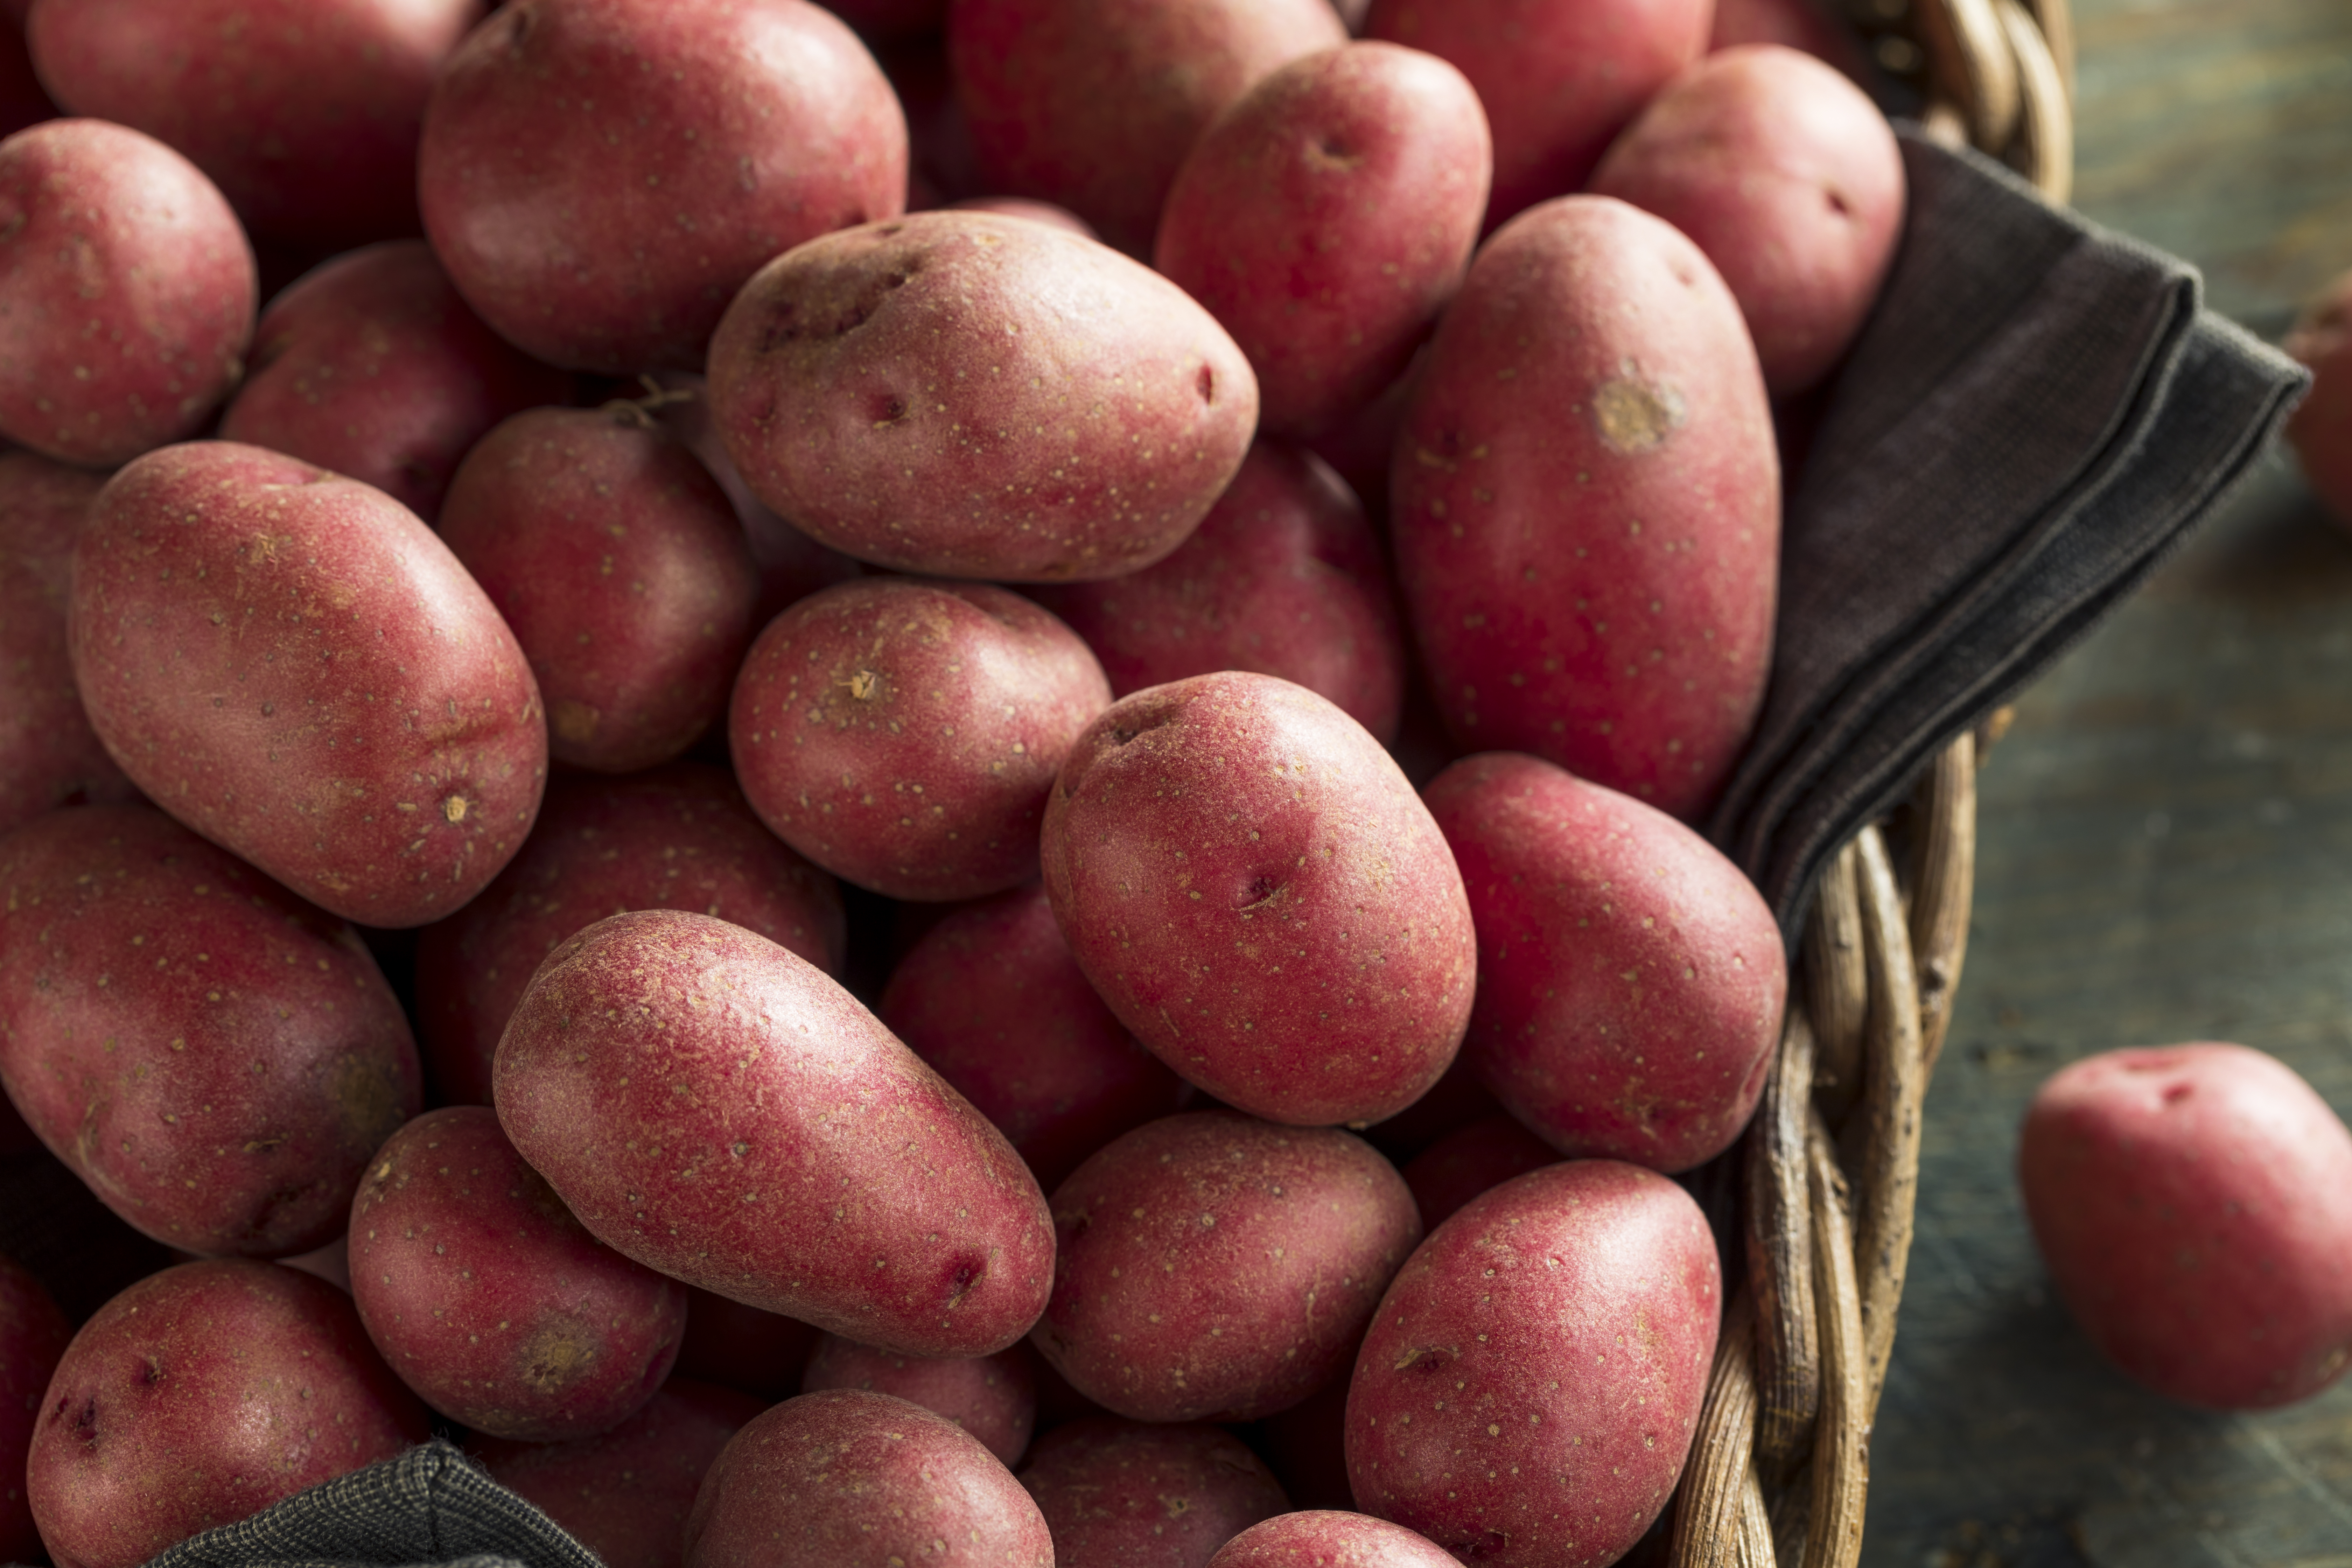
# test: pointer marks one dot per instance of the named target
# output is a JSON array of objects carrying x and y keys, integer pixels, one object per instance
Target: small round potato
[{"x": 1330, "y": 1539}]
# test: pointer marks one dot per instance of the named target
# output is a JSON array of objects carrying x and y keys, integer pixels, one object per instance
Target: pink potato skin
[
  {"x": 2194, "y": 1206},
  {"x": 1034, "y": 211},
  {"x": 625, "y": 1494},
  {"x": 33, "y": 1337},
  {"x": 127, "y": 293},
  {"x": 216, "y": 1059},
  {"x": 848, "y": 1476},
  {"x": 1122, "y": 1494},
  {"x": 903, "y": 734},
  {"x": 1284, "y": 576},
  {"x": 1214, "y": 1268},
  {"x": 490, "y": 1300},
  {"x": 972, "y": 395},
  {"x": 386, "y": 750},
  {"x": 1787, "y": 177},
  {"x": 620, "y": 567},
  {"x": 1094, "y": 107},
  {"x": 305, "y": 112},
  {"x": 49, "y": 755},
  {"x": 1557, "y": 1332},
  {"x": 1326, "y": 218},
  {"x": 201, "y": 1396},
  {"x": 993, "y": 1397},
  {"x": 1558, "y": 82},
  {"x": 714, "y": 1107},
  {"x": 743, "y": 1348},
  {"x": 1631, "y": 981},
  {"x": 1330, "y": 1539},
  {"x": 1256, "y": 892},
  {"x": 371, "y": 365},
  {"x": 1590, "y": 554},
  {"x": 675, "y": 837},
  {"x": 2320, "y": 431},
  {"x": 1473, "y": 1160},
  {"x": 992, "y": 1000},
  {"x": 590, "y": 244}
]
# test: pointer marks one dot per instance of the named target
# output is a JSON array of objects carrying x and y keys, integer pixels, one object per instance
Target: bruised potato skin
[
  {"x": 967, "y": 394},
  {"x": 1532, "y": 1379},
  {"x": 215, "y": 1058},
  {"x": 717, "y": 1109},
  {"x": 1630, "y": 980},
  {"x": 199, "y": 1396},
  {"x": 291, "y": 664},
  {"x": 903, "y": 734},
  {"x": 1215, "y": 1268},
  {"x": 849, "y": 1476},
  {"x": 1586, "y": 504},
  {"x": 1254, "y": 886}
]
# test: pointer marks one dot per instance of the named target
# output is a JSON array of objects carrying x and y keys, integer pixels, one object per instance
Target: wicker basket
[{"x": 1780, "y": 1466}]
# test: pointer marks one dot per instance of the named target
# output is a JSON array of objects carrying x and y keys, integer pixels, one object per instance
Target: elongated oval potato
[
  {"x": 291, "y": 664},
  {"x": 1586, "y": 501},
  {"x": 713, "y": 1106}
]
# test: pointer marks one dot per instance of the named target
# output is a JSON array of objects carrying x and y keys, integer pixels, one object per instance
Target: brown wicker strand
[
  {"x": 1707, "y": 1503},
  {"x": 1788, "y": 1371},
  {"x": 2055, "y": 21},
  {"x": 1836, "y": 987},
  {"x": 1842, "y": 1445},
  {"x": 1943, "y": 890},
  {"x": 1754, "y": 1547},
  {"x": 1971, "y": 65},
  {"x": 1886, "y": 1130},
  {"x": 2045, "y": 152}
]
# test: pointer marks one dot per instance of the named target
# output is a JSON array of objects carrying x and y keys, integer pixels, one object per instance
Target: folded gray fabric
[{"x": 2036, "y": 415}]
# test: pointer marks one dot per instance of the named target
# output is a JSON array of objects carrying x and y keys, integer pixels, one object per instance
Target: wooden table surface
[{"x": 2165, "y": 854}]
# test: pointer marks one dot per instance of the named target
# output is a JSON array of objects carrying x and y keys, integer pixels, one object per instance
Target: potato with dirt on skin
[
  {"x": 965, "y": 394},
  {"x": 1561, "y": 1328},
  {"x": 1212, "y": 1267},
  {"x": 716, "y": 1107},
  {"x": 903, "y": 734},
  {"x": 34, "y": 1335},
  {"x": 993, "y": 1397},
  {"x": 214, "y": 1057},
  {"x": 1329, "y": 1538},
  {"x": 1124, "y": 1494},
  {"x": 291, "y": 664},
  {"x": 679, "y": 837},
  {"x": 199, "y": 1396},
  {"x": 1263, "y": 899},
  {"x": 844, "y": 1476},
  {"x": 2193, "y": 1205},
  {"x": 1585, "y": 499}
]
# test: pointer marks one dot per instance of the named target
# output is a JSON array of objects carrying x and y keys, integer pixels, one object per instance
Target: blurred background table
[{"x": 2165, "y": 854}]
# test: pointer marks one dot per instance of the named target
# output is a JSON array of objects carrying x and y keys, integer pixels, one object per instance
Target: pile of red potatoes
[{"x": 1019, "y": 686}]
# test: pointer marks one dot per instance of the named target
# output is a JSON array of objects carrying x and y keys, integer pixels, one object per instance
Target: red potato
[
  {"x": 1476, "y": 1159},
  {"x": 490, "y": 1299},
  {"x": 620, "y": 567},
  {"x": 740, "y": 1347},
  {"x": 1330, "y": 1539},
  {"x": 1804, "y": 25},
  {"x": 1214, "y": 1268},
  {"x": 972, "y": 396},
  {"x": 1094, "y": 107},
  {"x": 1558, "y": 82},
  {"x": 903, "y": 734},
  {"x": 1596, "y": 587},
  {"x": 625, "y": 1495},
  {"x": 201, "y": 1396},
  {"x": 592, "y": 244},
  {"x": 1453, "y": 1102},
  {"x": 1533, "y": 1377},
  {"x": 675, "y": 837},
  {"x": 33, "y": 1337},
  {"x": 2320, "y": 431},
  {"x": 1326, "y": 218},
  {"x": 1034, "y": 211},
  {"x": 2194, "y": 1206},
  {"x": 1284, "y": 577},
  {"x": 714, "y": 1107},
  {"x": 1256, "y": 892},
  {"x": 386, "y": 750},
  {"x": 49, "y": 756},
  {"x": 371, "y": 365},
  {"x": 216, "y": 1059},
  {"x": 127, "y": 293},
  {"x": 1120, "y": 1494},
  {"x": 1787, "y": 175},
  {"x": 848, "y": 1477},
  {"x": 992, "y": 1000},
  {"x": 993, "y": 1397},
  {"x": 1630, "y": 980}
]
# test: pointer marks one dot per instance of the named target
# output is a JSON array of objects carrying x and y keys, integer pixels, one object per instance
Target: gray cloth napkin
[{"x": 2037, "y": 413}]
